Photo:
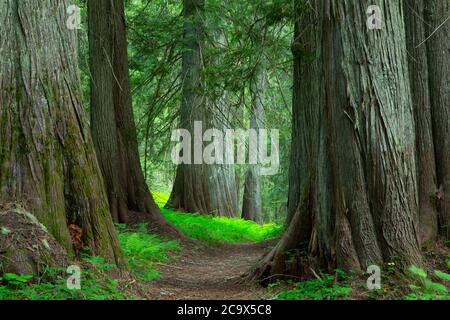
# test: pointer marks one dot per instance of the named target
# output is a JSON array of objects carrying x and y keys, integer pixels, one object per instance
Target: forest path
[{"x": 211, "y": 273}]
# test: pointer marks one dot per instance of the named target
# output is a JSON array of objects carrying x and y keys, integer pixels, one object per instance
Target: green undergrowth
[
  {"x": 211, "y": 229},
  {"x": 325, "y": 287},
  {"x": 415, "y": 284},
  {"x": 142, "y": 251},
  {"x": 429, "y": 287},
  {"x": 145, "y": 251},
  {"x": 96, "y": 283}
]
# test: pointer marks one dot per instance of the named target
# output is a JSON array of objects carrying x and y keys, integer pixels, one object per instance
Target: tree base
[{"x": 26, "y": 247}]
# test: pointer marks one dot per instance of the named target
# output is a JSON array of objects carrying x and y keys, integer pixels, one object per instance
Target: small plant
[
  {"x": 144, "y": 251},
  {"x": 427, "y": 289},
  {"x": 325, "y": 288},
  {"x": 14, "y": 280}
]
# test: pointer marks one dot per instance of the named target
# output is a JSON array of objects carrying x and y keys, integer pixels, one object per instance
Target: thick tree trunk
[
  {"x": 357, "y": 201},
  {"x": 199, "y": 187},
  {"x": 112, "y": 120},
  {"x": 426, "y": 165},
  {"x": 47, "y": 158},
  {"x": 438, "y": 48},
  {"x": 252, "y": 202}
]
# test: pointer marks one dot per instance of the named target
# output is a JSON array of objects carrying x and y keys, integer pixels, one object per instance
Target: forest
[{"x": 224, "y": 150}]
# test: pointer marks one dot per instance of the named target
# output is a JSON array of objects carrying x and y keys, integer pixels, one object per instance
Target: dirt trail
[{"x": 211, "y": 273}]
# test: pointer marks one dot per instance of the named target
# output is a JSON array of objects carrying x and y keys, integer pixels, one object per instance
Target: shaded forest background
[{"x": 155, "y": 46}]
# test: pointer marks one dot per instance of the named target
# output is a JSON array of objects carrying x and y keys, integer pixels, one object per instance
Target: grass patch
[
  {"x": 160, "y": 198},
  {"x": 325, "y": 288},
  {"x": 144, "y": 251},
  {"x": 211, "y": 229}
]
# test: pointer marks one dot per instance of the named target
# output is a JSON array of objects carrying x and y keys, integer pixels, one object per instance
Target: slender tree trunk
[
  {"x": 252, "y": 203},
  {"x": 426, "y": 165},
  {"x": 437, "y": 42},
  {"x": 222, "y": 178},
  {"x": 112, "y": 120},
  {"x": 358, "y": 200},
  {"x": 200, "y": 187},
  {"x": 47, "y": 158},
  {"x": 238, "y": 118}
]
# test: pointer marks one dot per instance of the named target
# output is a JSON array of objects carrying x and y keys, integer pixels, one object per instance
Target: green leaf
[
  {"x": 435, "y": 286},
  {"x": 10, "y": 276},
  {"x": 442, "y": 275},
  {"x": 24, "y": 278},
  {"x": 418, "y": 271},
  {"x": 415, "y": 287}
]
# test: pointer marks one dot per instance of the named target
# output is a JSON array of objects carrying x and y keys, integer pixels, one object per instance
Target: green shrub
[
  {"x": 144, "y": 251},
  {"x": 96, "y": 284},
  {"x": 427, "y": 289},
  {"x": 325, "y": 288}
]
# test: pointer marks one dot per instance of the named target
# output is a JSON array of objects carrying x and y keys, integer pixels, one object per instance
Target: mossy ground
[{"x": 214, "y": 230}]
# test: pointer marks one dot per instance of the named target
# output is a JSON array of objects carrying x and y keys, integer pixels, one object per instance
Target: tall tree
[
  {"x": 112, "y": 120},
  {"x": 221, "y": 177},
  {"x": 252, "y": 202},
  {"x": 357, "y": 198},
  {"x": 426, "y": 164},
  {"x": 438, "y": 34},
  {"x": 201, "y": 187},
  {"x": 47, "y": 158}
]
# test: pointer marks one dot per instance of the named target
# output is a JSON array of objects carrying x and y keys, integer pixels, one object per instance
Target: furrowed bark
[
  {"x": 437, "y": 43},
  {"x": 47, "y": 157},
  {"x": 112, "y": 120},
  {"x": 426, "y": 164},
  {"x": 358, "y": 200}
]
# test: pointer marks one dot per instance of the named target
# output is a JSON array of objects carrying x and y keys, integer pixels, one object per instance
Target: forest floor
[{"x": 213, "y": 273}]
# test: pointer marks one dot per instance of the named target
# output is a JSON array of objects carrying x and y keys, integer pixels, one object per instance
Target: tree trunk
[
  {"x": 199, "y": 187},
  {"x": 112, "y": 120},
  {"x": 222, "y": 177},
  {"x": 357, "y": 199},
  {"x": 252, "y": 204},
  {"x": 47, "y": 158},
  {"x": 438, "y": 34},
  {"x": 426, "y": 165}
]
